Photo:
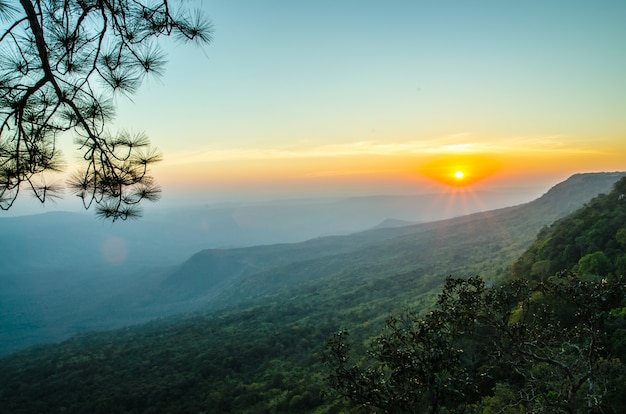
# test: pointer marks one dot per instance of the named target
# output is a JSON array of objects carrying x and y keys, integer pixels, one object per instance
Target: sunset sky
[{"x": 335, "y": 97}]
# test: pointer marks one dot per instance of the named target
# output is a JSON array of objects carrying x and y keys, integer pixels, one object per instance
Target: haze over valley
[{"x": 61, "y": 268}]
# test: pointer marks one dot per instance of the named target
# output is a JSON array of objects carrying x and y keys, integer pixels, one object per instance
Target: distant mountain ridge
[
  {"x": 254, "y": 271},
  {"x": 170, "y": 235},
  {"x": 389, "y": 223}
]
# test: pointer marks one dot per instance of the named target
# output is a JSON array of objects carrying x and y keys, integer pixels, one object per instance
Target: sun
[{"x": 462, "y": 170}]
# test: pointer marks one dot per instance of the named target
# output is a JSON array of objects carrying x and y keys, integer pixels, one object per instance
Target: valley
[{"x": 66, "y": 273}]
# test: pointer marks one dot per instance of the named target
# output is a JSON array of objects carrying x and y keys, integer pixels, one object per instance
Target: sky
[{"x": 341, "y": 98}]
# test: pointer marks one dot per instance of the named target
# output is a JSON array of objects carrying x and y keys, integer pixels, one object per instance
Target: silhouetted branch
[{"x": 61, "y": 63}]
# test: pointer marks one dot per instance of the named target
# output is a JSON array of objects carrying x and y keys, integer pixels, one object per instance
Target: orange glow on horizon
[
  {"x": 387, "y": 173},
  {"x": 460, "y": 170}
]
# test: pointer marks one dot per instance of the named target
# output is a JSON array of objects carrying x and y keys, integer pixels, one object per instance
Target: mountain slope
[
  {"x": 593, "y": 239},
  {"x": 466, "y": 245}
]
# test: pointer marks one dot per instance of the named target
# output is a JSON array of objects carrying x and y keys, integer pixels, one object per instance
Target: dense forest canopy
[
  {"x": 556, "y": 346},
  {"x": 592, "y": 240}
]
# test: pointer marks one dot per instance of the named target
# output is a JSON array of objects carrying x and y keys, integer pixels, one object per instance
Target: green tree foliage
[
  {"x": 255, "y": 361},
  {"x": 419, "y": 366},
  {"x": 520, "y": 347},
  {"x": 61, "y": 64},
  {"x": 595, "y": 263},
  {"x": 593, "y": 237}
]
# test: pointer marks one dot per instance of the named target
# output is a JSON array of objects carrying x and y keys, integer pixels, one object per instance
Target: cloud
[{"x": 462, "y": 143}]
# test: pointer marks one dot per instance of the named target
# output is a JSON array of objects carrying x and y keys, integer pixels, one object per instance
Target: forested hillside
[
  {"x": 260, "y": 346},
  {"x": 552, "y": 339},
  {"x": 590, "y": 241}
]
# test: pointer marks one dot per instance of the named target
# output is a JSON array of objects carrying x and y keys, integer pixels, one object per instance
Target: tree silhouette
[{"x": 61, "y": 64}]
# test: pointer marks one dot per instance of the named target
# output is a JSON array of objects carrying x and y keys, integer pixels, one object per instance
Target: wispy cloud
[
  {"x": 456, "y": 144},
  {"x": 336, "y": 173}
]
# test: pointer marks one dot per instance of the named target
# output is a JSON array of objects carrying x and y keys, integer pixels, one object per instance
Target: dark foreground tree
[
  {"x": 61, "y": 64},
  {"x": 555, "y": 346}
]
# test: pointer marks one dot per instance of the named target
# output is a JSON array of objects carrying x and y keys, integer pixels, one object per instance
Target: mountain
[
  {"x": 258, "y": 345},
  {"x": 393, "y": 223},
  {"x": 165, "y": 236},
  {"x": 468, "y": 244},
  {"x": 63, "y": 273},
  {"x": 591, "y": 240}
]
